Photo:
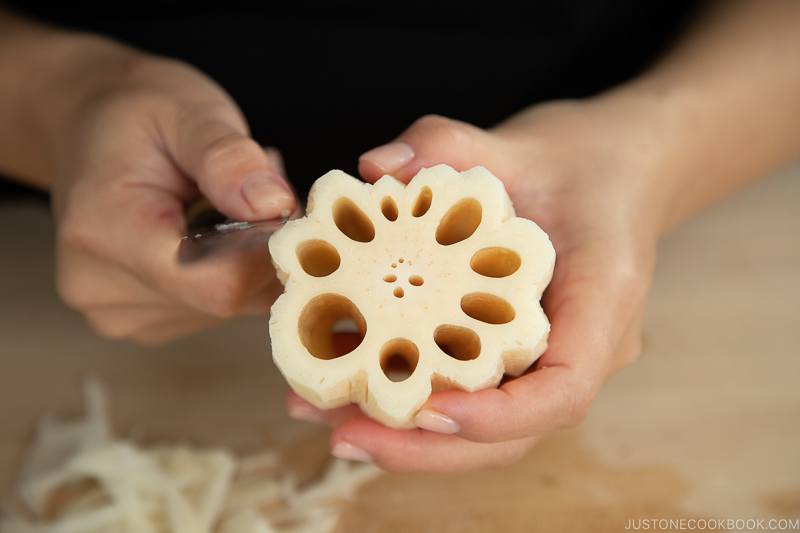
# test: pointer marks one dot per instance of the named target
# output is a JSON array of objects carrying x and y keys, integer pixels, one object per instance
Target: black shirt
[{"x": 324, "y": 83}]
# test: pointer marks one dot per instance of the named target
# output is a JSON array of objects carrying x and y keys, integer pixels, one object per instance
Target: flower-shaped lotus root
[{"x": 437, "y": 285}]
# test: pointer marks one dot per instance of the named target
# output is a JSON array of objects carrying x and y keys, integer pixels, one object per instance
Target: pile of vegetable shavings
[{"x": 79, "y": 478}]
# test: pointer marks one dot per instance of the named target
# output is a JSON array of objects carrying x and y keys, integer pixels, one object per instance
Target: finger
[
  {"x": 419, "y": 450},
  {"x": 167, "y": 331},
  {"x": 429, "y": 141},
  {"x": 588, "y": 320},
  {"x": 300, "y": 409},
  {"x": 259, "y": 302},
  {"x": 139, "y": 232},
  {"x": 85, "y": 281},
  {"x": 224, "y": 286},
  {"x": 125, "y": 321},
  {"x": 212, "y": 146}
]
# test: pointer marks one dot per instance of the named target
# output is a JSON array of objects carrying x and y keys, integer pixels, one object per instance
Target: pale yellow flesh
[{"x": 439, "y": 277}]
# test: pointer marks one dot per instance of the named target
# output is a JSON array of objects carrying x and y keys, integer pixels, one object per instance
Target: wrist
[
  {"x": 623, "y": 143},
  {"x": 658, "y": 132}
]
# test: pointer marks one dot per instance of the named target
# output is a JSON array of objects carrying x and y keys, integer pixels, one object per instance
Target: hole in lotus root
[
  {"x": 459, "y": 222},
  {"x": 416, "y": 280},
  {"x": 495, "y": 262},
  {"x": 389, "y": 208},
  {"x": 389, "y": 278},
  {"x": 399, "y": 359},
  {"x": 330, "y": 326},
  {"x": 318, "y": 258},
  {"x": 399, "y": 292},
  {"x": 487, "y": 308},
  {"x": 457, "y": 342},
  {"x": 423, "y": 202},
  {"x": 352, "y": 221}
]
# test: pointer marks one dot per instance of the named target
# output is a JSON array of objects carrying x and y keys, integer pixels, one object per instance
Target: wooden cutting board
[{"x": 706, "y": 424}]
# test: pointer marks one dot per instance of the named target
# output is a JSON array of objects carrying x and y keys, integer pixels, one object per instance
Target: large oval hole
[
  {"x": 399, "y": 358},
  {"x": 457, "y": 342},
  {"x": 389, "y": 208},
  {"x": 352, "y": 221},
  {"x": 318, "y": 258},
  {"x": 487, "y": 308},
  {"x": 423, "y": 202},
  {"x": 459, "y": 222},
  {"x": 330, "y": 326},
  {"x": 495, "y": 262}
]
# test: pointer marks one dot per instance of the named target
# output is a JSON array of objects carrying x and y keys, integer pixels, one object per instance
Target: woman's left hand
[{"x": 594, "y": 177}]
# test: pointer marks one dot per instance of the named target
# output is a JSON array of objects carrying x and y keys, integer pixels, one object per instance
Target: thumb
[
  {"x": 230, "y": 168},
  {"x": 429, "y": 141}
]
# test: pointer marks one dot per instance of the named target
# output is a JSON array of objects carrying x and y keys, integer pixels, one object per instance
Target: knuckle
[
  {"x": 72, "y": 287},
  {"x": 127, "y": 106},
  {"x": 629, "y": 275},
  {"x": 224, "y": 304},
  {"x": 71, "y": 292},
  {"x": 579, "y": 402},
  {"x": 443, "y": 130},
  {"x": 111, "y": 329},
  {"x": 433, "y": 120},
  {"x": 75, "y": 234}
]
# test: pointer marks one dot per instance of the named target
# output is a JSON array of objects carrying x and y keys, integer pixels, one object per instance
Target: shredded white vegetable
[{"x": 80, "y": 478}]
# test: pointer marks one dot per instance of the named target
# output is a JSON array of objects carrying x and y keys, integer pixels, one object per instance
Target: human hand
[
  {"x": 133, "y": 139},
  {"x": 589, "y": 175}
]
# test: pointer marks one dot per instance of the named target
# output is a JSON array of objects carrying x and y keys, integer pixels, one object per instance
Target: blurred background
[{"x": 704, "y": 425}]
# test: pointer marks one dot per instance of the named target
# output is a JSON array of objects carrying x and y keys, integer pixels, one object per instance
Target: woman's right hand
[{"x": 131, "y": 139}]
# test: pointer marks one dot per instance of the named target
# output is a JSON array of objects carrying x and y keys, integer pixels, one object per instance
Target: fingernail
[
  {"x": 389, "y": 157},
  {"x": 266, "y": 195},
  {"x": 436, "y": 422},
  {"x": 304, "y": 412},
  {"x": 345, "y": 450}
]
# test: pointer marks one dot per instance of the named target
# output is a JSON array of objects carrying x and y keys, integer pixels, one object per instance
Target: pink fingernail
[
  {"x": 436, "y": 422},
  {"x": 345, "y": 450},
  {"x": 389, "y": 157},
  {"x": 266, "y": 195},
  {"x": 304, "y": 412}
]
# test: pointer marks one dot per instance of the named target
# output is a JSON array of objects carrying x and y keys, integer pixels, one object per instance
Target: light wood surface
[{"x": 707, "y": 423}]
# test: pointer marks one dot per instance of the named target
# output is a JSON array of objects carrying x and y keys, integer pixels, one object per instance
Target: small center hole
[
  {"x": 416, "y": 280},
  {"x": 399, "y": 292}
]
